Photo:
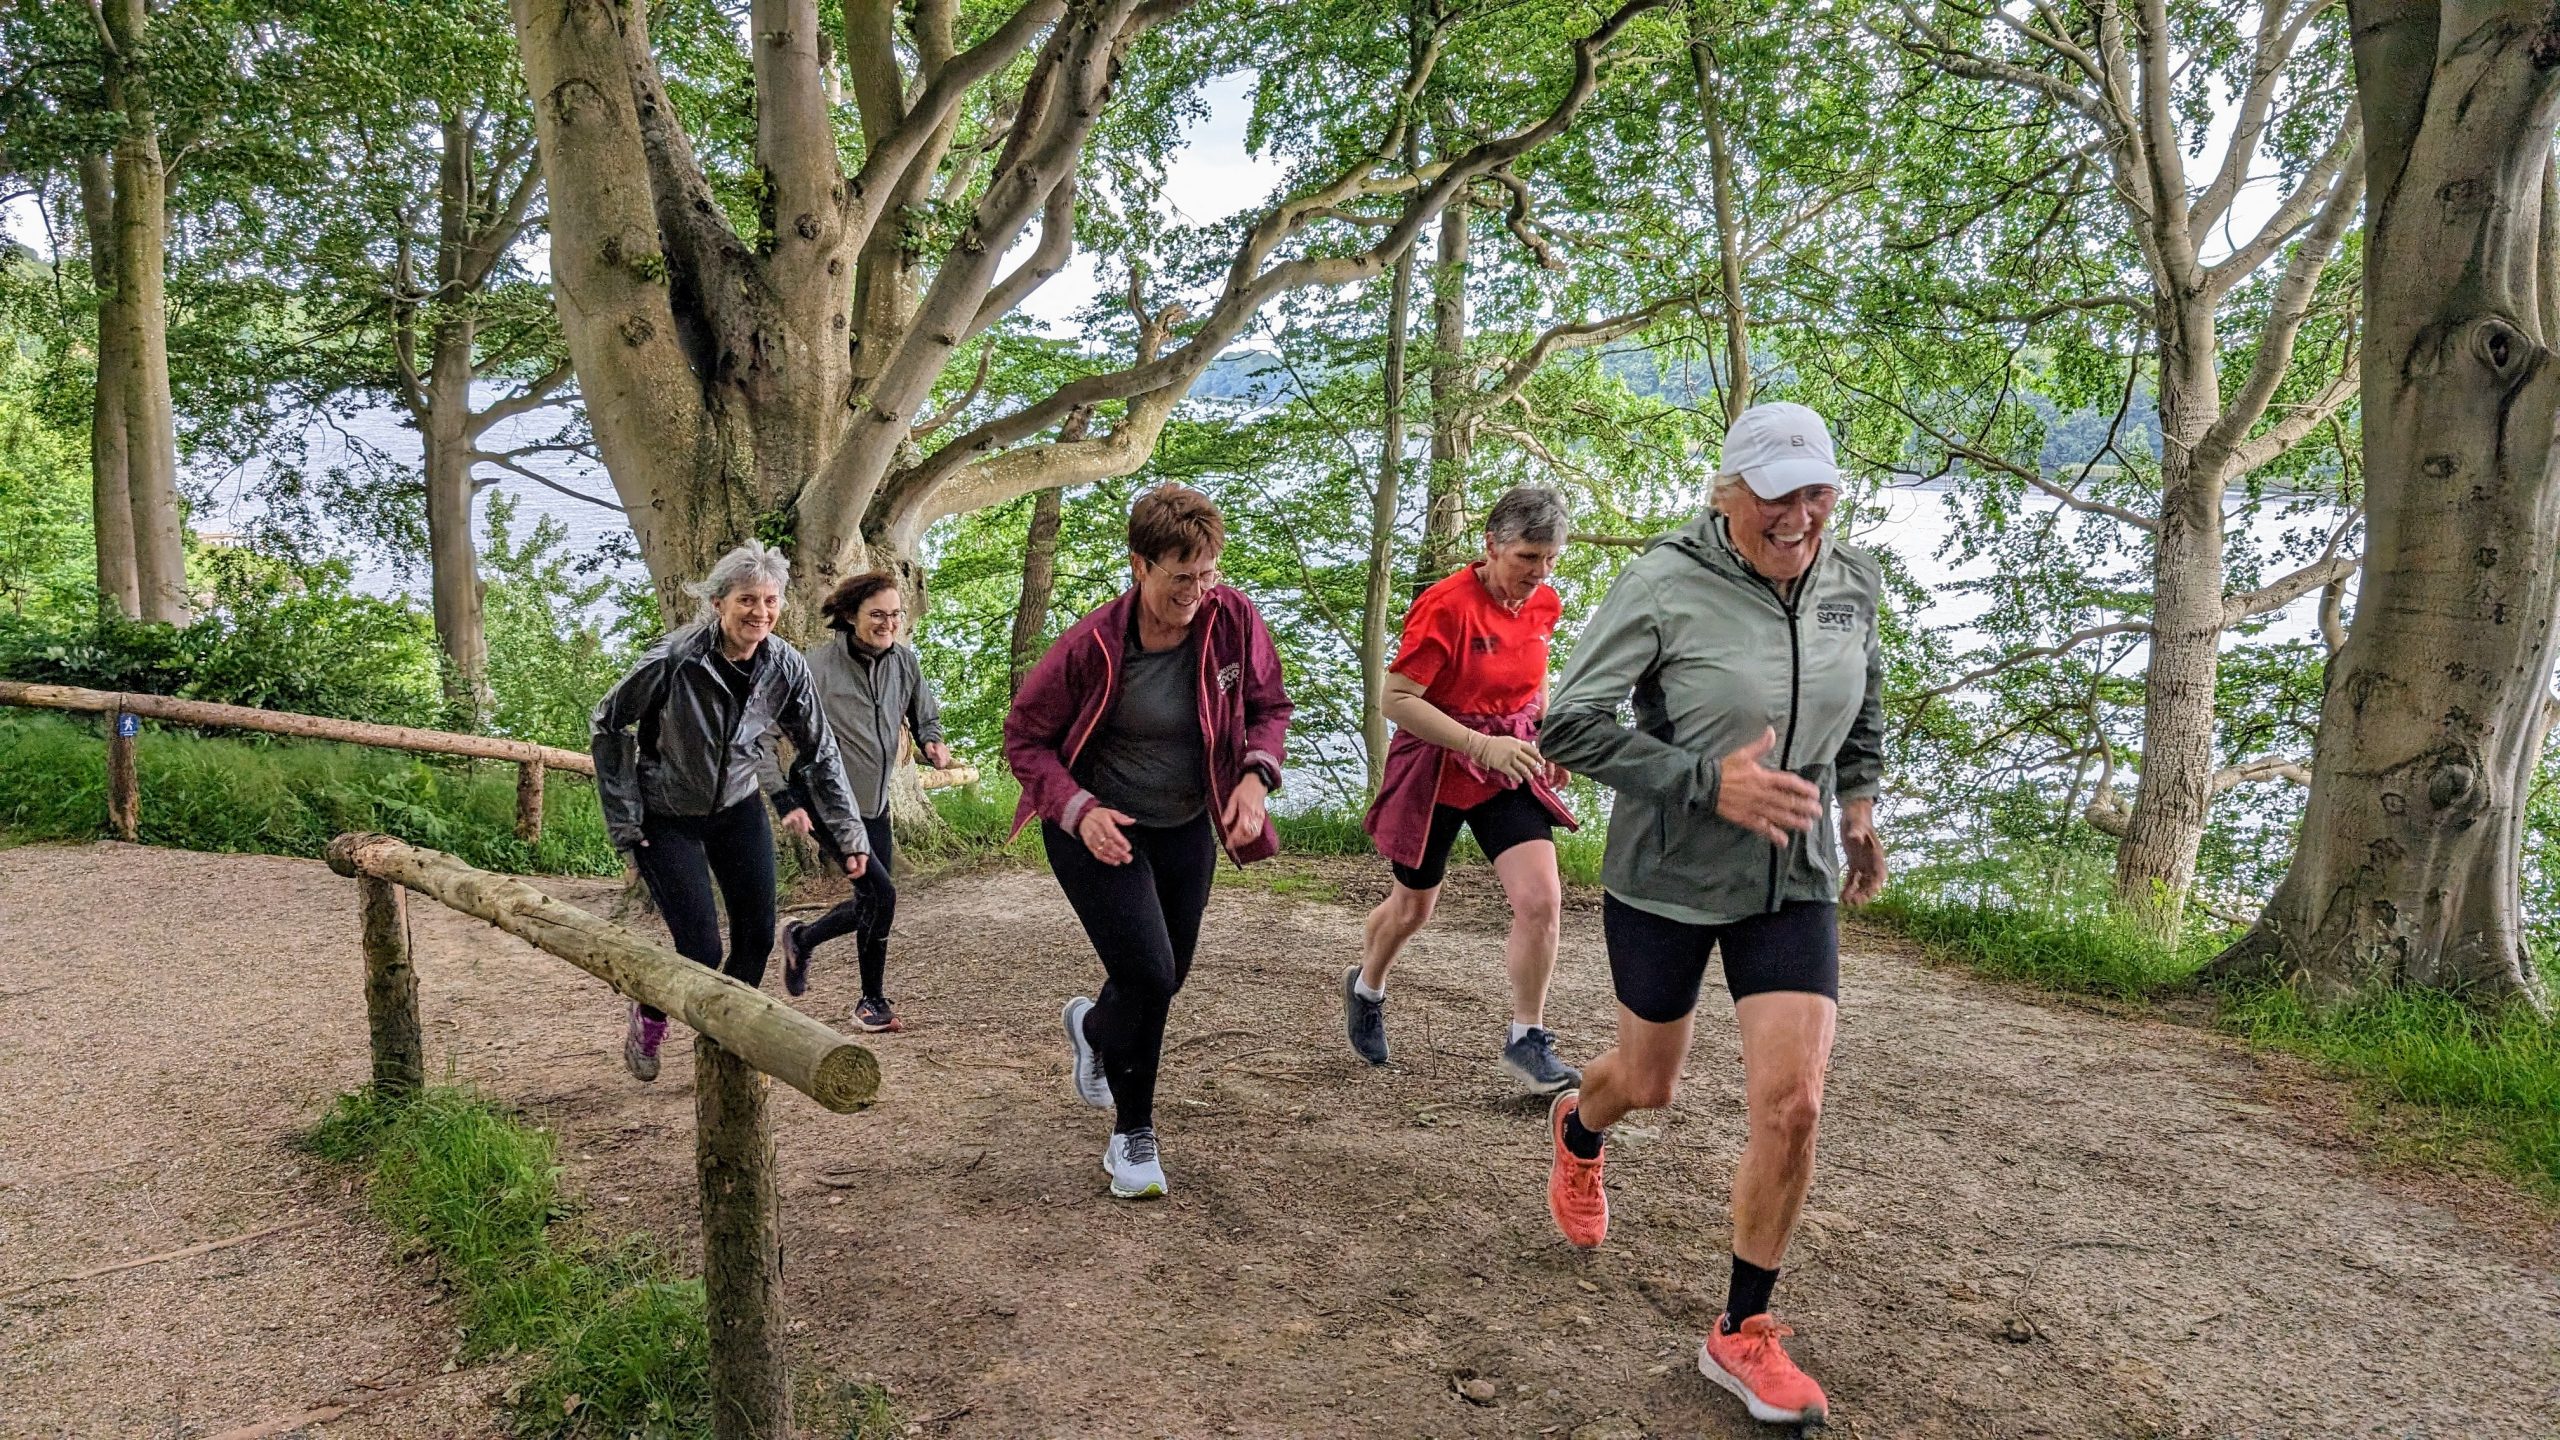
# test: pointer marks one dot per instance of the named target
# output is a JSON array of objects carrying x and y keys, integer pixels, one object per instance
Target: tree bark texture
[
  {"x": 741, "y": 1246},
  {"x": 2156, "y": 857},
  {"x": 111, "y": 483},
  {"x": 1039, "y": 584},
  {"x": 1728, "y": 212},
  {"x": 755, "y": 1027},
  {"x": 529, "y": 801},
  {"x": 141, "y": 246},
  {"x": 2408, "y": 867},
  {"x": 390, "y": 989},
  {"x": 1445, "y": 541},
  {"x": 453, "y": 555},
  {"x": 1382, "y": 525},
  {"x": 124, "y": 781}
]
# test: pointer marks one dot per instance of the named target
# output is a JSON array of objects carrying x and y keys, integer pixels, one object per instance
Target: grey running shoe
[
  {"x": 1366, "y": 1019},
  {"x": 872, "y": 1015},
  {"x": 640, "y": 1041},
  {"x": 1092, "y": 1086},
  {"x": 1532, "y": 1061},
  {"x": 1137, "y": 1171}
]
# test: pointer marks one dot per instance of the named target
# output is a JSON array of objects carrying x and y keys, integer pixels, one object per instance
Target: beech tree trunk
[
  {"x": 110, "y": 488},
  {"x": 1445, "y": 541},
  {"x": 2408, "y": 872},
  {"x": 453, "y": 554},
  {"x": 1382, "y": 525},
  {"x": 1039, "y": 584},
  {"x": 2156, "y": 856},
  {"x": 141, "y": 246}
]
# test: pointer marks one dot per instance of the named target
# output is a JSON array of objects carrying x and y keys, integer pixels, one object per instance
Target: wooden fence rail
[
  {"x": 741, "y": 1036},
  {"x": 124, "y": 782}
]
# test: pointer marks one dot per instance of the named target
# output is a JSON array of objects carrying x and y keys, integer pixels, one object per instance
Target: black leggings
[
  {"x": 1143, "y": 919},
  {"x": 1658, "y": 963},
  {"x": 684, "y": 856},
  {"x": 867, "y": 913},
  {"x": 1513, "y": 817}
]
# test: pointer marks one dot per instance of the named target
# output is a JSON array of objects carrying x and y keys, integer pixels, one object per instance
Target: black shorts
[
  {"x": 1508, "y": 819},
  {"x": 1658, "y": 964}
]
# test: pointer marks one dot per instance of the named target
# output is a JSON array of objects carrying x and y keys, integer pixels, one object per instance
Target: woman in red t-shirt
[{"x": 1465, "y": 693}]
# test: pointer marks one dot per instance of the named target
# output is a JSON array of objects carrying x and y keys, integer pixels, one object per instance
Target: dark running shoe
[
  {"x": 795, "y": 960},
  {"x": 1365, "y": 1018},
  {"x": 872, "y": 1013},
  {"x": 1532, "y": 1061}
]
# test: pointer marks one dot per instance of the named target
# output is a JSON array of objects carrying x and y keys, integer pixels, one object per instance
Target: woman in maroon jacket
[{"x": 1148, "y": 734}]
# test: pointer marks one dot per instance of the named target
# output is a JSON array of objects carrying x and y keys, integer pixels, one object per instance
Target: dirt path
[{"x": 2029, "y": 1221}]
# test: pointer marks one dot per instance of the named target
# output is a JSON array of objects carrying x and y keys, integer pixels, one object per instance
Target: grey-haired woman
[
  {"x": 676, "y": 745},
  {"x": 1466, "y": 690}
]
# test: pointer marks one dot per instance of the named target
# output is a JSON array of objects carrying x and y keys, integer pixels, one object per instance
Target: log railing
[
  {"x": 741, "y": 1036},
  {"x": 124, "y": 783}
]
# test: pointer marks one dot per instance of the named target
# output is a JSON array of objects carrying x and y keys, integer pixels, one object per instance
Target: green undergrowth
[
  {"x": 2447, "y": 1079},
  {"x": 616, "y": 1340},
  {"x": 288, "y": 797},
  {"x": 2490, "y": 1080}
]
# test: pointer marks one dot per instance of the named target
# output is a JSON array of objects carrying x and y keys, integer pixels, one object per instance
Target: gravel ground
[{"x": 2030, "y": 1220}]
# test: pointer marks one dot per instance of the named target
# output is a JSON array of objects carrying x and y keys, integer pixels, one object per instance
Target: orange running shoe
[
  {"x": 1750, "y": 1363},
  {"x": 1574, "y": 1195}
]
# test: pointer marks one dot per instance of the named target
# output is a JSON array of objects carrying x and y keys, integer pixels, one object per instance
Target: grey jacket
[
  {"x": 671, "y": 738},
  {"x": 866, "y": 701},
  {"x": 1709, "y": 655}
]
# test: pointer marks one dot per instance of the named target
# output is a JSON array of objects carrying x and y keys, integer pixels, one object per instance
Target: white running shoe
[
  {"x": 1137, "y": 1171},
  {"x": 1083, "y": 1061}
]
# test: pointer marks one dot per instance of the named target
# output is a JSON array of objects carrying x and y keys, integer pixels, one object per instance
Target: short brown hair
[
  {"x": 1173, "y": 520},
  {"x": 846, "y": 603}
]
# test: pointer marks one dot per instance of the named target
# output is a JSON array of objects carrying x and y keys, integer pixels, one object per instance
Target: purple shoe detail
[{"x": 640, "y": 1041}]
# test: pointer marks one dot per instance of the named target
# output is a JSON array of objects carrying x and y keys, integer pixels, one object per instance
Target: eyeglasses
[
  {"x": 880, "y": 616},
  {"x": 1192, "y": 580}
]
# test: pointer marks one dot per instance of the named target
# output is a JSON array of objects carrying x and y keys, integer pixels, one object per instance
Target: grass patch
[
  {"x": 2490, "y": 1079},
  {"x": 2059, "y": 948},
  {"x": 289, "y": 797},
  {"x": 618, "y": 1341},
  {"x": 2453, "y": 1079}
]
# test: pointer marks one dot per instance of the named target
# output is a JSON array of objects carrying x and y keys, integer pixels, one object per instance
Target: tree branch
[
  {"x": 2332, "y": 568},
  {"x": 1047, "y": 258},
  {"x": 534, "y": 396},
  {"x": 2013, "y": 660},
  {"x": 2264, "y": 767}
]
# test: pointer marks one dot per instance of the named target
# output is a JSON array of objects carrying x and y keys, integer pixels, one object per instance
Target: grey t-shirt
[{"x": 1149, "y": 759}]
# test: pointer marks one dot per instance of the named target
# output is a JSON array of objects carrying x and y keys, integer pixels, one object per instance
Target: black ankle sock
[
  {"x": 1585, "y": 1144},
  {"x": 1748, "y": 1295}
]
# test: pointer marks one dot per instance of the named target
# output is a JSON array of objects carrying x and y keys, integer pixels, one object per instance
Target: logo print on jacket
[
  {"x": 1227, "y": 674},
  {"x": 1839, "y": 615}
]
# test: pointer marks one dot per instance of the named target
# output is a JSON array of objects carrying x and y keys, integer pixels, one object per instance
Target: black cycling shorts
[
  {"x": 1658, "y": 964},
  {"x": 1510, "y": 818}
]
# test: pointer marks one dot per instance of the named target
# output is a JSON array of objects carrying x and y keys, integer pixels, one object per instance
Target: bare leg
[
  {"x": 1396, "y": 920},
  {"x": 1529, "y": 881},
  {"x": 1786, "y": 1046},
  {"x": 1640, "y": 1073}
]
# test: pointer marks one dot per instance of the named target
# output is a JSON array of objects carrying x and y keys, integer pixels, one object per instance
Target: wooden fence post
[
  {"x": 124, "y": 777},
  {"x": 390, "y": 989},
  {"x": 529, "y": 801},
  {"x": 741, "y": 1246}
]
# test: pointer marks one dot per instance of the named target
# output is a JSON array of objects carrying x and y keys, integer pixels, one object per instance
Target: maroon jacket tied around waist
[
  {"x": 1244, "y": 712},
  {"x": 1399, "y": 820}
]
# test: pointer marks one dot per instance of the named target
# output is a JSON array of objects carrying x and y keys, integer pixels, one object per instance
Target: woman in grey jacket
[
  {"x": 1747, "y": 645},
  {"x": 676, "y": 743},
  {"x": 871, "y": 687}
]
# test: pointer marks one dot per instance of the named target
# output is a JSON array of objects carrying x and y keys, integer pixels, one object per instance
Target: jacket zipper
[
  {"x": 1110, "y": 682},
  {"x": 729, "y": 736},
  {"x": 1786, "y": 747},
  {"x": 1209, "y": 729}
]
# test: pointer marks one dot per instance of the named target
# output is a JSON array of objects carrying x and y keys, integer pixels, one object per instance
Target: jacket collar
[{"x": 1708, "y": 540}]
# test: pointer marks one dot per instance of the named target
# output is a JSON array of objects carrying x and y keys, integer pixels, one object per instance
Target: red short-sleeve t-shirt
[{"x": 1473, "y": 655}]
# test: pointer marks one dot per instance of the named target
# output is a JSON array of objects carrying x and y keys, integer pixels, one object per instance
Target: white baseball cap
[{"x": 1779, "y": 449}]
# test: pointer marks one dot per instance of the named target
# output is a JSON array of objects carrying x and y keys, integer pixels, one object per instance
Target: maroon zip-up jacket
[{"x": 1244, "y": 712}]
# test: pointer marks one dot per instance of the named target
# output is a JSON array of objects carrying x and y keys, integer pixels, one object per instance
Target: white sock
[
  {"x": 1366, "y": 991},
  {"x": 1518, "y": 1030}
]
